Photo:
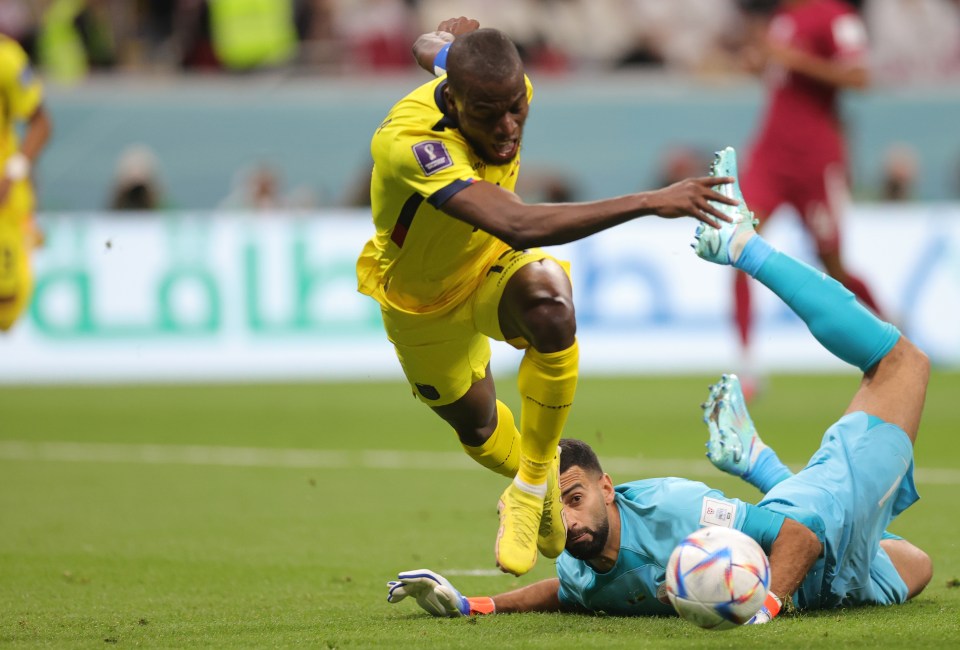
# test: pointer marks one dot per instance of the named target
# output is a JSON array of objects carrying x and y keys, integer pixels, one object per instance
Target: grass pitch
[{"x": 271, "y": 516}]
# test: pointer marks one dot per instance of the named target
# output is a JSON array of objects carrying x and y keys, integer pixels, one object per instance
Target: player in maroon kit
[{"x": 810, "y": 50}]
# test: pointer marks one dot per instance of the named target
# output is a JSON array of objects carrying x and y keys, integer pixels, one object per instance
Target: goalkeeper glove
[
  {"x": 435, "y": 594},
  {"x": 771, "y": 607}
]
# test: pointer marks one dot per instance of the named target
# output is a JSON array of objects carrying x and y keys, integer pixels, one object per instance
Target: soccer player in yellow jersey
[
  {"x": 454, "y": 263},
  {"x": 21, "y": 101}
]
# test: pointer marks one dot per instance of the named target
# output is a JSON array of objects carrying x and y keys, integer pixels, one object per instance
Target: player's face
[
  {"x": 491, "y": 117},
  {"x": 585, "y": 512}
]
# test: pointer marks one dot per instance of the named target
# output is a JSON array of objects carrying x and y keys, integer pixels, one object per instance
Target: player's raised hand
[
  {"x": 697, "y": 198},
  {"x": 458, "y": 26},
  {"x": 432, "y": 591}
]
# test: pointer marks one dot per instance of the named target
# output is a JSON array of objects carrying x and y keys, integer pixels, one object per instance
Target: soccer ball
[{"x": 717, "y": 578}]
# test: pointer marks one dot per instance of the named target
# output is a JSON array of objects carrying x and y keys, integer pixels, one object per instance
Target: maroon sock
[
  {"x": 860, "y": 290},
  {"x": 742, "y": 312}
]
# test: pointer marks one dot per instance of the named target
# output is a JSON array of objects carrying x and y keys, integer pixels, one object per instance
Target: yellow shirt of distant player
[
  {"x": 20, "y": 96},
  {"x": 422, "y": 260}
]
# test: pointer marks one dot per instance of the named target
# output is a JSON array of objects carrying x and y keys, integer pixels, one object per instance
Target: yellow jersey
[
  {"x": 421, "y": 259},
  {"x": 20, "y": 93}
]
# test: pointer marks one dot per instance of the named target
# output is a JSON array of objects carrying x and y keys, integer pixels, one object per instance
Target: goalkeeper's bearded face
[{"x": 587, "y": 497}]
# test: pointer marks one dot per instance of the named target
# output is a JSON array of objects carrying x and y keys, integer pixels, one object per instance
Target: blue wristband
[{"x": 440, "y": 61}]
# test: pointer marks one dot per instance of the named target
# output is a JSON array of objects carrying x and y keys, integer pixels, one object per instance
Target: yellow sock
[
  {"x": 547, "y": 383},
  {"x": 501, "y": 451}
]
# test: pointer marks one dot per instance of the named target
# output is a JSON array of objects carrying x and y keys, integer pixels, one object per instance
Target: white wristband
[{"x": 17, "y": 167}]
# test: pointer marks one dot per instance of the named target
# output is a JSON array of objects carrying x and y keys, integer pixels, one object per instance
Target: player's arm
[
  {"x": 19, "y": 164},
  {"x": 834, "y": 72},
  {"x": 844, "y": 67},
  {"x": 438, "y": 597},
  {"x": 793, "y": 552},
  {"x": 428, "y": 45},
  {"x": 541, "y": 596},
  {"x": 503, "y": 214},
  {"x": 39, "y": 126},
  {"x": 791, "y": 547}
]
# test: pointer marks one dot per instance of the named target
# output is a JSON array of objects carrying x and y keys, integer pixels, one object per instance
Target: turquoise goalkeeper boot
[
  {"x": 723, "y": 245},
  {"x": 734, "y": 444}
]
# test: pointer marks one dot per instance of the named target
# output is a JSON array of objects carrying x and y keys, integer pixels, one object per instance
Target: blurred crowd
[{"x": 912, "y": 39}]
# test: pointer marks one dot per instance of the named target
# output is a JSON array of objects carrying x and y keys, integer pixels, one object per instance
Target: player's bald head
[{"x": 485, "y": 56}]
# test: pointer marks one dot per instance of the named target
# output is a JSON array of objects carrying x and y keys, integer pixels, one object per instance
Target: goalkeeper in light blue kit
[{"x": 823, "y": 528}]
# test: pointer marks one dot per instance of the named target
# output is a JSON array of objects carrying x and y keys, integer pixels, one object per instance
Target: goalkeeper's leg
[{"x": 734, "y": 445}]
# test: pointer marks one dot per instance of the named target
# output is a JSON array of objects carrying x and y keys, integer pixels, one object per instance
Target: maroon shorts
[{"x": 819, "y": 194}]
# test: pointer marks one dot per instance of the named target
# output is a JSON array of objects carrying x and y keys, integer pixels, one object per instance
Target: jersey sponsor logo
[
  {"x": 432, "y": 156},
  {"x": 428, "y": 391},
  {"x": 715, "y": 512}
]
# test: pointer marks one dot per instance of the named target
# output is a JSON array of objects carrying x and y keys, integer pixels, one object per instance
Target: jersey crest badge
[
  {"x": 715, "y": 512},
  {"x": 432, "y": 156}
]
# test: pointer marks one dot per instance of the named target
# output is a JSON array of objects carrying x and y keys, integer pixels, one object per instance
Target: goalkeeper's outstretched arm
[
  {"x": 438, "y": 597},
  {"x": 539, "y": 597}
]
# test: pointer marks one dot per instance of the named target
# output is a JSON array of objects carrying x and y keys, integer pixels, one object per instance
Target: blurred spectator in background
[
  {"x": 233, "y": 35},
  {"x": 137, "y": 185},
  {"x": 75, "y": 36},
  {"x": 256, "y": 189},
  {"x": 697, "y": 36},
  {"x": 539, "y": 184},
  {"x": 811, "y": 50},
  {"x": 19, "y": 19},
  {"x": 914, "y": 40},
  {"x": 899, "y": 173},
  {"x": 377, "y": 34},
  {"x": 21, "y": 96},
  {"x": 315, "y": 29},
  {"x": 152, "y": 40},
  {"x": 251, "y": 34},
  {"x": 193, "y": 36},
  {"x": 684, "y": 35},
  {"x": 682, "y": 161},
  {"x": 523, "y": 20},
  {"x": 591, "y": 34},
  {"x": 260, "y": 189}
]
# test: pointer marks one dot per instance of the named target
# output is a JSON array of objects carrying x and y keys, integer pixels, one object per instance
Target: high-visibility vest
[
  {"x": 252, "y": 33},
  {"x": 60, "y": 47}
]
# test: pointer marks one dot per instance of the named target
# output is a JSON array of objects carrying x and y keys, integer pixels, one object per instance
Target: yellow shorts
[
  {"x": 16, "y": 241},
  {"x": 444, "y": 353}
]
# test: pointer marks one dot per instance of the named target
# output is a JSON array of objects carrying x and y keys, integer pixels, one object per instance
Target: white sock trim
[
  {"x": 536, "y": 490},
  {"x": 737, "y": 243}
]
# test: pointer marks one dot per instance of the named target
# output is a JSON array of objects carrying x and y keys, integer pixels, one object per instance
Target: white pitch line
[
  {"x": 483, "y": 573},
  {"x": 90, "y": 452},
  {"x": 623, "y": 468}
]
